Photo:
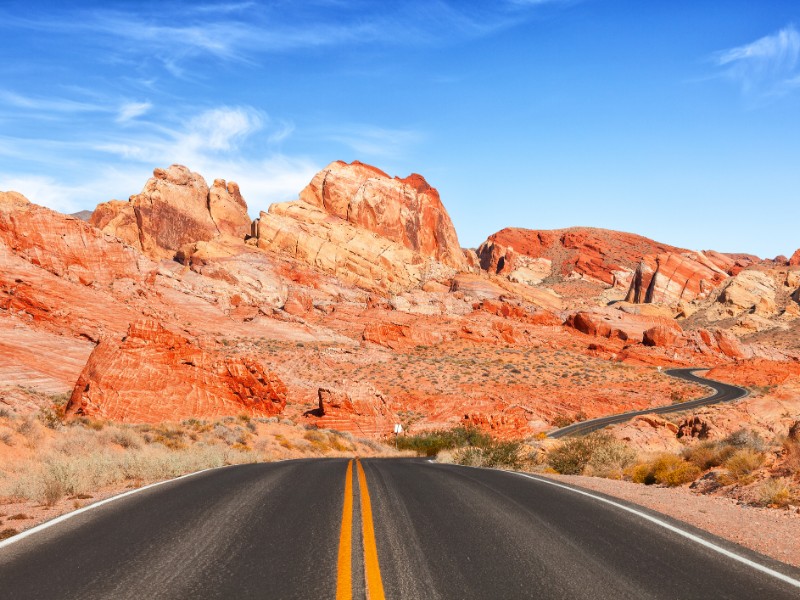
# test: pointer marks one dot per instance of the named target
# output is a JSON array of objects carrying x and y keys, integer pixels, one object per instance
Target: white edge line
[
  {"x": 665, "y": 525},
  {"x": 75, "y": 513}
]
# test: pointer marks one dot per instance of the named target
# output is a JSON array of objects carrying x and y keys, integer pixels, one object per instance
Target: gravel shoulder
[{"x": 772, "y": 532}]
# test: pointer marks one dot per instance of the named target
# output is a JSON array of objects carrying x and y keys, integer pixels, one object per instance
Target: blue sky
[{"x": 677, "y": 120}]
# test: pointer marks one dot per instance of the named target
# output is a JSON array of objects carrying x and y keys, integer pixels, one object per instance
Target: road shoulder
[{"x": 771, "y": 532}]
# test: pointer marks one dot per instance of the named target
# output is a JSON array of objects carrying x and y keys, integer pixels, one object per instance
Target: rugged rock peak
[
  {"x": 408, "y": 211},
  {"x": 795, "y": 260},
  {"x": 175, "y": 208},
  {"x": 154, "y": 374}
]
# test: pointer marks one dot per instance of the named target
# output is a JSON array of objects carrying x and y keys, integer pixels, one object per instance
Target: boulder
[
  {"x": 154, "y": 375},
  {"x": 664, "y": 337}
]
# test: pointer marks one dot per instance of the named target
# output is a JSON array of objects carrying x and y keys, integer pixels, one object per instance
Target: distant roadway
[
  {"x": 723, "y": 392},
  {"x": 389, "y": 528}
]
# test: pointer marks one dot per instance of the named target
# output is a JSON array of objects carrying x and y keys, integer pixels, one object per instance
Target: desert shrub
[
  {"x": 52, "y": 417},
  {"x": 791, "y": 455},
  {"x": 7, "y": 437},
  {"x": 742, "y": 463},
  {"x": 775, "y": 492},
  {"x": 746, "y": 438},
  {"x": 708, "y": 454},
  {"x": 610, "y": 459},
  {"x": 7, "y": 533},
  {"x": 667, "y": 469},
  {"x": 562, "y": 421},
  {"x": 492, "y": 454},
  {"x": 574, "y": 454},
  {"x": 469, "y": 456},
  {"x": 430, "y": 443},
  {"x": 122, "y": 436}
]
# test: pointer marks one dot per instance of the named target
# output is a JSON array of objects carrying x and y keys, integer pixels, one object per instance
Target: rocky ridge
[{"x": 362, "y": 270}]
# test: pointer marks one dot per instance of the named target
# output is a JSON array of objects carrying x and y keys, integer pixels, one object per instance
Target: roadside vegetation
[
  {"x": 49, "y": 464},
  {"x": 468, "y": 446},
  {"x": 742, "y": 465}
]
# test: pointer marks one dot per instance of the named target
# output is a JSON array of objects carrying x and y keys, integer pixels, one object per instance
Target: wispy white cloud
[
  {"x": 47, "y": 104},
  {"x": 767, "y": 66},
  {"x": 243, "y": 31},
  {"x": 132, "y": 110},
  {"x": 368, "y": 140}
]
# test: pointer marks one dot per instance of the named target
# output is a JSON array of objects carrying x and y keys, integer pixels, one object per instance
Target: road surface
[
  {"x": 397, "y": 528},
  {"x": 723, "y": 392}
]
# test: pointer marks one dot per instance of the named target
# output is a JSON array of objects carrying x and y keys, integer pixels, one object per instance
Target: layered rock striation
[
  {"x": 372, "y": 230},
  {"x": 155, "y": 375}
]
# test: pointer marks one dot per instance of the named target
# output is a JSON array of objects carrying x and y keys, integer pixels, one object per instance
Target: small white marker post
[
  {"x": 398, "y": 429},
  {"x": 658, "y": 369}
]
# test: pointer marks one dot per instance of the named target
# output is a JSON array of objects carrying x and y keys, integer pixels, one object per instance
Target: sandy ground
[{"x": 772, "y": 532}]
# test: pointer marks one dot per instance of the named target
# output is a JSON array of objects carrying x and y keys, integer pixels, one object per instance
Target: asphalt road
[
  {"x": 402, "y": 528},
  {"x": 723, "y": 392}
]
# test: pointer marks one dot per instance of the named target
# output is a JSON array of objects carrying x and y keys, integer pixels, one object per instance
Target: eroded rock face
[
  {"x": 366, "y": 228},
  {"x": 175, "y": 208},
  {"x": 600, "y": 255},
  {"x": 408, "y": 211},
  {"x": 795, "y": 260},
  {"x": 675, "y": 277},
  {"x": 358, "y": 409},
  {"x": 65, "y": 246},
  {"x": 611, "y": 323},
  {"x": 155, "y": 375},
  {"x": 752, "y": 291}
]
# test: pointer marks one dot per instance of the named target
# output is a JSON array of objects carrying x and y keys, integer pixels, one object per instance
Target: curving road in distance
[
  {"x": 337, "y": 529},
  {"x": 723, "y": 392}
]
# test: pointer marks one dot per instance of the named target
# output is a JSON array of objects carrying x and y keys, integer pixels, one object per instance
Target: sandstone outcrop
[
  {"x": 155, "y": 375},
  {"x": 795, "y": 260},
  {"x": 368, "y": 229},
  {"x": 672, "y": 278},
  {"x": 175, "y": 208},
  {"x": 65, "y": 246},
  {"x": 749, "y": 291},
  {"x": 407, "y": 211},
  {"x": 604, "y": 256},
  {"x": 359, "y": 409},
  {"x": 612, "y": 323}
]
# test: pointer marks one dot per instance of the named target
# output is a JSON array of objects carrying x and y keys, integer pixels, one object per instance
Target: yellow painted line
[
  {"x": 372, "y": 570},
  {"x": 344, "y": 565}
]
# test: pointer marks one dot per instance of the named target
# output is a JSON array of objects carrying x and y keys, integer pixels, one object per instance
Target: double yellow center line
[{"x": 344, "y": 568}]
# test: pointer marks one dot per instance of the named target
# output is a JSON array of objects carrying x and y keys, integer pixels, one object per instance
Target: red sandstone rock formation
[
  {"x": 795, "y": 260},
  {"x": 65, "y": 246},
  {"x": 598, "y": 254},
  {"x": 611, "y": 323},
  {"x": 407, "y": 211},
  {"x": 175, "y": 208},
  {"x": 356, "y": 222},
  {"x": 361, "y": 410},
  {"x": 155, "y": 375},
  {"x": 674, "y": 277}
]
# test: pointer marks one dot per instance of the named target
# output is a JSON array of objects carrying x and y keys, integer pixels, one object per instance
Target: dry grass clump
[
  {"x": 598, "y": 454},
  {"x": 775, "y": 492},
  {"x": 741, "y": 465},
  {"x": 666, "y": 469}
]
